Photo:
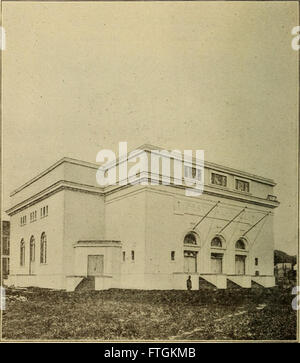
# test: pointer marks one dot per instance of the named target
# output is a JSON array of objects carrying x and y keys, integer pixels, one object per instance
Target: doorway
[
  {"x": 95, "y": 265},
  {"x": 240, "y": 265},
  {"x": 216, "y": 263},
  {"x": 190, "y": 261}
]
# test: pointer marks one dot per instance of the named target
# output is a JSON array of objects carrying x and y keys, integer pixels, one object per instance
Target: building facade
[
  {"x": 141, "y": 235},
  {"x": 5, "y": 242}
]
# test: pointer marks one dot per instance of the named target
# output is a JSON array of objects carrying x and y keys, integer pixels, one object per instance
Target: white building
[{"x": 65, "y": 227}]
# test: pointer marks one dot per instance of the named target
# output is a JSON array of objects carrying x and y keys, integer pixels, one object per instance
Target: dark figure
[{"x": 189, "y": 283}]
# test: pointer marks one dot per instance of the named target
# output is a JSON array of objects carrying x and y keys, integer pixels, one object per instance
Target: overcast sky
[{"x": 80, "y": 77}]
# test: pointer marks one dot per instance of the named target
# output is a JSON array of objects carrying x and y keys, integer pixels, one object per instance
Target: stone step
[{"x": 87, "y": 284}]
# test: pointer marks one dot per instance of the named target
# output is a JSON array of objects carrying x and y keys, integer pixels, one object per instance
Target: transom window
[
  {"x": 219, "y": 179},
  {"x": 240, "y": 245},
  {"x": 216, "y": 242},
  {"x": 242, "y": 185},
  {"x": 190, "y": 239}
]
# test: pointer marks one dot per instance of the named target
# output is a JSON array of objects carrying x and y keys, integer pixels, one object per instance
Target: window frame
[
  {"x": 237, "y": 178},
  {"x": 173, "y": 256},
  {"x": 22, "y": 253},
  {"x": 190, "y": 244},
  {"x": 238, "y": 248},
  {"x": 43, "y": 249},
  {"x": 218, "y": 173},
  {"x": 217, "y": 247},
  {"x": 189, "y": 175},
  {"x": 32, "y": 248}
]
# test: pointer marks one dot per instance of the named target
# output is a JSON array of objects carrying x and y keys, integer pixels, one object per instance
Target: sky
[{"x": 217, "y": 76}]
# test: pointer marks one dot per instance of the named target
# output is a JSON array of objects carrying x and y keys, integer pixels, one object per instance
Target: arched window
[
  {"x": 43, "y": 248},
  {"x": 216, "y": 242},
  {"x": 32, "y": 249},
  {"x": 190, "y": 239},
  {"x": 240, "y": 245},
  {"x": 22, "y": 252}
]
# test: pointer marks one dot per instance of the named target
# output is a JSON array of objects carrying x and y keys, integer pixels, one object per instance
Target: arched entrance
[
  {"x": 240, "y": 257},
  {"x": 217, "y": 253},
  {"x": 189, "y": 253}
]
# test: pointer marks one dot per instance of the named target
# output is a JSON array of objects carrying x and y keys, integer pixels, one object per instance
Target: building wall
[
  {"x": 257, "y": 189},
  {"x": 38, "y": 185},
  {"x": 171, "y": 215},
  {"x": 83, "y": 220},
  {"x": 5, "y": 247},
  {"x": 150, "y": 221},
  {"x": 125, "y": 214},
  {"x": 51, "y": 273}
]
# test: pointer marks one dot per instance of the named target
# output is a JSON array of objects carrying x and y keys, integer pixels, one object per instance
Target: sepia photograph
[{"x": 149, "y": 172}]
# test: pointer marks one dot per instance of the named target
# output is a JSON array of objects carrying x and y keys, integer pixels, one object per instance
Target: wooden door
[{"x": 95, "y": 265}]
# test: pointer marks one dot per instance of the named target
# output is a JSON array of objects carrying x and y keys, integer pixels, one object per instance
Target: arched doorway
[
  {"x": 216, "y": 256},
  {"x": 240, "y": 257},
  {"x": 189, "y": 253}
]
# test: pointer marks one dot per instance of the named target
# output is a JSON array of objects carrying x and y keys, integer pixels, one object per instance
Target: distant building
[
  {"x": 65, "y": 228},
  {"x": 5, "y": 242}
]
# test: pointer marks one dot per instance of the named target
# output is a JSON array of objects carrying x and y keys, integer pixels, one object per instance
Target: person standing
[{"x": 189, "y": 283}]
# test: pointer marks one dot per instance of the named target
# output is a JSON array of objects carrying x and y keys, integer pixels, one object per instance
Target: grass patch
[{"x": 250, "y": 314}]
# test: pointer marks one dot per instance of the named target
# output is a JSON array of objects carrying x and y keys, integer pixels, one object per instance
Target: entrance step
[
  {"x": 217, "y": 280},
  {"x": 205, "y": 285},
  {"x": 240, "y": 280},
  {"x": 255, "y": 285},
  {"x": 87, "y": 284},
  {"x": 232, "y": 285}
]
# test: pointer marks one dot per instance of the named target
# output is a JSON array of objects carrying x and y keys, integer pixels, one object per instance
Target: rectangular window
[
  {"x": 132, "y": 255},
  {"x": 256, "y": 261},
  {"x": 5, "y": 267},
  {"x": 219, "y": 179},
  {"x": 44, "y": 211},
  {"x": 256, "y": 273},
  {"x": 23, "y": 221},
  {"x": 32, "y": 216},
  {"x": 192, "y": 172},
  {"x": 242, "y": 185},
  {"x": 5, "y": 246},
  {"x": 124, "y": 256},
  {"x": 172, "y": 255}
]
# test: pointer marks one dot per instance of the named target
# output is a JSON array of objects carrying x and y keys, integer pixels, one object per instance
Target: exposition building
[{"x": 67, "y": 229}]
